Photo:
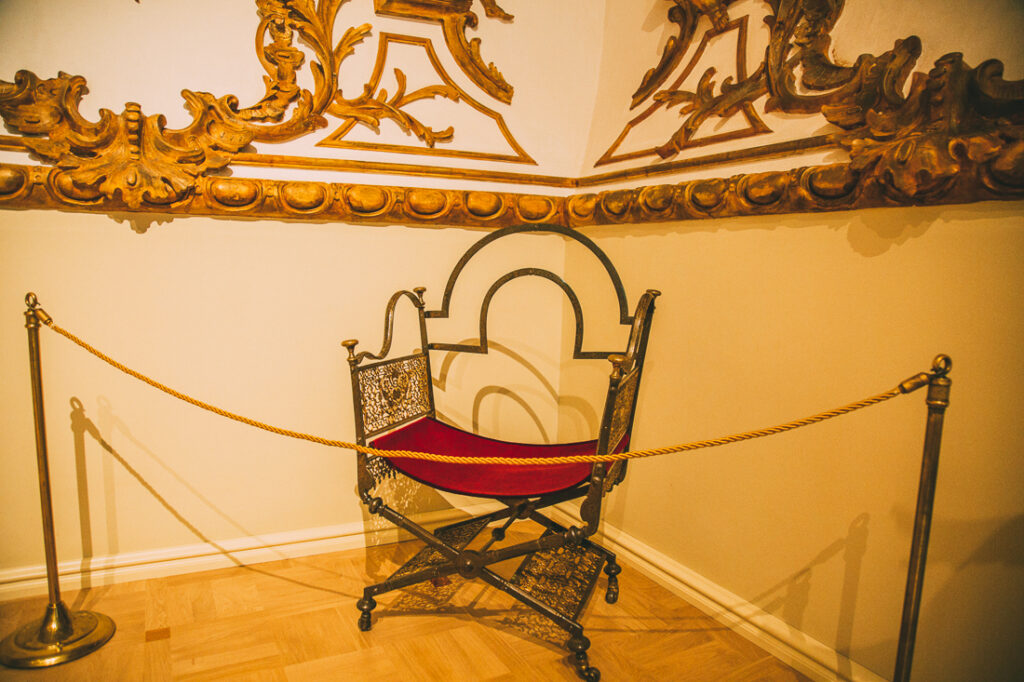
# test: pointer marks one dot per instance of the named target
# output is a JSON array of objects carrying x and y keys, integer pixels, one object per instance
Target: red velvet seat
[{"x": 484, "y": 480}]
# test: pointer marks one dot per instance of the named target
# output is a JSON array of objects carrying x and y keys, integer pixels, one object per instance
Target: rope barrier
[{"x": 904, "y": 387}]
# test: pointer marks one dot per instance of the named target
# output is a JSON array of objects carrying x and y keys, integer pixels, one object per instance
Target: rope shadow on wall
[{"x": 82, "y": 426}]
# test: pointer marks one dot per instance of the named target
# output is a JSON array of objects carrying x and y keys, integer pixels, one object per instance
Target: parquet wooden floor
[{"x": 295, "y": 619}]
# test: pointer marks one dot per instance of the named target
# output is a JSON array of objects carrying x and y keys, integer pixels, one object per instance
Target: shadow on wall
[
  {"x": 141, "y": 222},
  {"x": 874, "y": 237},
  {"x": 82, "y": 426},
  {"x": 991, "y": 574},
  {"x": 983, "y": 563},
  {"x": 870, "y": 232},
  {"x": 578, "y": 404},
  {"x": 405, "y": 496},
  {"x": 790, "y": 597}
]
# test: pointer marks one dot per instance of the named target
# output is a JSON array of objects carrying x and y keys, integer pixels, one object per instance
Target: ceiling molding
[
  {"x": 812, "y": 189},
  {"x": 952, "y": 135}
]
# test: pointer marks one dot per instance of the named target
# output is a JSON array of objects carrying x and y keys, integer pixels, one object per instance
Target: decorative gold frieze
[
  {"x": 812, "y": 189},
  {"x": 44, "y": 187},
  {"x": 908, "y": 172},
  {"x": 133, "y": 156},
  {"x": 954, "y": 134}
]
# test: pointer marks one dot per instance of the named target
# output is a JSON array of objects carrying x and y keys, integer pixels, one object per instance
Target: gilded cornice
[
  {"x": 23, "y": 187},
  {"x": 952, "y": 135},
  {"x": 837, "y": 187}
]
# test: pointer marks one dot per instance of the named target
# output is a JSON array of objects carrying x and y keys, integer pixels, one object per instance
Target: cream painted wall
[
  {"x": 764, "y": 320},
  {"x": 244, "y": 314},
  {"x": 249, "y": 316},
  {"x": 769, "y": 319}
]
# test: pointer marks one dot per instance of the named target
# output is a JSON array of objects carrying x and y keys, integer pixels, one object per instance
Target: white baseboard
[
  {"x": 30, "y": 581},
  {"x": 806, "y": 654}
]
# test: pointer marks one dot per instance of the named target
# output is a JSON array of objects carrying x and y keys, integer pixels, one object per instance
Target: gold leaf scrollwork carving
[
  {"x": 282, "y": 61},
  {"x": 370, "y": 109},
  {"x": 455, "y": 17},
  {"x": 956, "y": 132},
  {"x": 281, "y": 21},
  {"x": 685, "y": 14},
  {"x": 395, "y": 104},
  {"x": 136, "y": 157},
  {"x": 954, "y": 120},
  {"x": 735, "y": 95},
  {"x": 130, "y": 155}
]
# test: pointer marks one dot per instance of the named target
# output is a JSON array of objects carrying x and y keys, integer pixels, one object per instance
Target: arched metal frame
[{"x": 578, "y": 353}]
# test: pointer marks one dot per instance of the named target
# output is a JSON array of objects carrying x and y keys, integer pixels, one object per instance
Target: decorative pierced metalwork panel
[
  {"x": 380, "y": 468},
  {"x": 561, "y": 578},
  {"x": 457, "y": 535},
  {"x": 616, "y": 472},
  {"x": 622, "y": 411},
  {"x": 394, "y": 392}
]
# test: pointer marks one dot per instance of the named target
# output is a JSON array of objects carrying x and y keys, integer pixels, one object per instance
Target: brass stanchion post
[
  {"x": 61, "y": 635},
  {"x": 937, "y": 400}
]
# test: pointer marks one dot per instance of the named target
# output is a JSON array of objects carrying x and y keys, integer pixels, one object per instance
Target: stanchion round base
[{"x": 24, "y": 648}]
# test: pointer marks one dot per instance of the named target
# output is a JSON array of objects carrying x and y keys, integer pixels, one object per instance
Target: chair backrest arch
[{"x": 625, "y": 318}]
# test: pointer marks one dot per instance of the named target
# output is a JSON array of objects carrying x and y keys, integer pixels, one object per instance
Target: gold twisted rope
[{"x": 513, "y": 461}]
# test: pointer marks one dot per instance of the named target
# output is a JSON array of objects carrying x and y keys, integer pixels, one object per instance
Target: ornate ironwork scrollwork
[
  {"x": 622, "y": 409},
  {"x": 561, "y": 578}
]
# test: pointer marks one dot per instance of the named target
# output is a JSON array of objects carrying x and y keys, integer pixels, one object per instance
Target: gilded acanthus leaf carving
[
  {"x": 280, "y": 22},
  {"x": 128, "y": 154},
  {"x": 136, "y": 157},
  {"x": 914, "y": 130},
  {"x": 363, "y": 111},
  {"x": 704, "y": 103},
  {"x": 684, "y": 13},
  {"x": 954, "y": 134},
  {"x": 953, "y": 117},
  {"x": 370, "y": 109},
  {"x": 455, "y": 17},
  {"x": 735, "y": 94},
  {"x": 282, "y": 61}
]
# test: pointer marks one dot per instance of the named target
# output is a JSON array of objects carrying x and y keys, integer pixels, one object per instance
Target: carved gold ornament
[
  {"x": 132, "y": 156},
  {"x": 448, "y": 89},
  {"x": 949, "y": 119},
  {"x": 698, "y": 106},
  {"x": 129, "y": 156},
  {"x": 952, "y": 135},
  {"x": 42, "y": 187},
  {"x": 455, "y": 17}
]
